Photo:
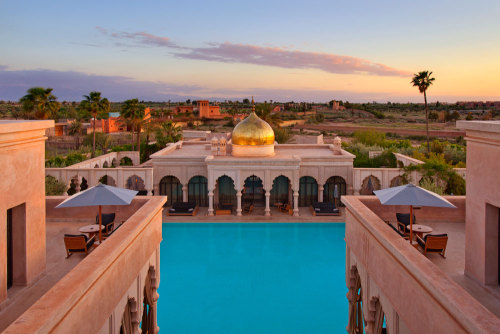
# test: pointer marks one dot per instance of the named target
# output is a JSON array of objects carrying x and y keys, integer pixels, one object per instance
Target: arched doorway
[
  {"x": 135, "y": 183},
  {"x": 226, "y": 190},
  {"x": 308, "y": 191},
  {"x": 171, "y": 187},
  {"x": 370, "y": 183},
  {"x": 253, "y": 192},
  {"x": 280, "y": 190},
  {"x": 105, "y": 164},
  {"x": 198, "y": 190},
  {"x": 126, "y": 161},
  {"x": 397, "y": 181},
  {"x": 332, "y": 194},
  {"x": 108, "y": 180}
]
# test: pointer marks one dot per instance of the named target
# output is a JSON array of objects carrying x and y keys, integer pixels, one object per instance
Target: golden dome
[{"x": 253, "y": 131}]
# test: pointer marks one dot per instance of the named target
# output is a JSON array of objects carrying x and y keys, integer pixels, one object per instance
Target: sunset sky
[{"x": 281, "y": 50}]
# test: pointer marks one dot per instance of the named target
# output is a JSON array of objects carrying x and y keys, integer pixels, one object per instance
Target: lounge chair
[
  {"x": 183, "y": 209},
  {"x": 433, "y": 243},
  {"x": 286, "y": 208},
  {"x": 77, "y": 243},
  {"x": 324, "y": 209},
  {"x": 248, "y": 208},
  {"x": 404, "y": 218},
  {"x": 224, "y": 209},
  {"x": 107, "y": 235}
]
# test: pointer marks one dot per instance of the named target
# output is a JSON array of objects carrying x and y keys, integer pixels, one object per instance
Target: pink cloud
[
  {"x": 278, "y": 57},
  {"x": 258, "y": 55}
]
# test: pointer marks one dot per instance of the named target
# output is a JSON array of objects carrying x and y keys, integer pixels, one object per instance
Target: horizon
[{"x": 271, "y": 50}]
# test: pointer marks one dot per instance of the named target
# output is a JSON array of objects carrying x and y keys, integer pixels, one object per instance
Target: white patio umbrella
[
  {"x": 98, "y": 196},
  {"x": 411, "y": 195}
]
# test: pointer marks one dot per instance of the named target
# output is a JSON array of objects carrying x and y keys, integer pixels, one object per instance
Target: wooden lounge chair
[
  {"x": 248, "y": 209},
  {"x": 77, "y": 243},
  {"x": 324, "y": 209},
  {"x": 183, "y": 209},
  {"x": 286, "y": 208},
  {"x": 433, "y": 243},
  {"x": 224, "y": 209},
  {"x": 107, "y": 218}
]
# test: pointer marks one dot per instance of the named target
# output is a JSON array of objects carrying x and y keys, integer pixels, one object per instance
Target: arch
[
  {"x": 149, "y": 311},
  {"x": 84, "y": 185},
  {"x": 397, "y": 181},
  {"x": 335, "y": 188},
  {"x": 226, "y": 190},
  {"x": 171, "y": 187},
  {"x": 375, "y": 319},
  {"x": 113, "y": 162},
  {"x": 96, "y": 166},
  {"x": 370, "y": 183},
  {"x": 198, "y": 190},
  {"x": 126, "y": 161},
  {"x": 105, "y": 164},
  {"x": 308, "y": 190},
  {"x": 130, "y": 318},
  {"x": 354, "y": 296},
  {"x": 135, "y": 183},
  {"x": 108, "y": 180},
  {"x": 253, "y": 191},
  {"x": 280, "y": 192}
]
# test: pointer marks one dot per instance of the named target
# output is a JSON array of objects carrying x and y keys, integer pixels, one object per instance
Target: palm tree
[
  {"x": 423, "y": 80},
  {"x": 75, "y": 129},
  {"x": 264, "y": 111},
  {"x": 168, "y": 132},
  {"x": 134, "y": 112},
  {"x": 40, "y": 103},
  {"x": 94, "y": 104}
]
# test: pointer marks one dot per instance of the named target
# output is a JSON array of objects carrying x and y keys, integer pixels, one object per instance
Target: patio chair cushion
[
  {"x": 405, "y": 218},
  {"x": 107, "y": 218}
]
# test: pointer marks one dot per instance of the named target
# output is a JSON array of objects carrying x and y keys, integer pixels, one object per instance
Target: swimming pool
[{"x": 252, "y": 278}]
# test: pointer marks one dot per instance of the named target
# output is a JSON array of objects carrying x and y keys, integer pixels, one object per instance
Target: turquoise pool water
[{"x": 252, "y": 278}]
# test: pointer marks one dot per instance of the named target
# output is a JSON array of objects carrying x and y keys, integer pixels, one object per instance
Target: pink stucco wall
[
  {"x": 425, "y": 299},
  {"x": 84, "y": 299},
  {"x": 22, "y": 162}
]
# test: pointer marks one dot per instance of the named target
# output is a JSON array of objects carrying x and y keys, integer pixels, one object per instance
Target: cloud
[
  {"x": 72, "y": 85},
  {"x": 139, "y": 38},
  {"x": 279, "y": 57},
  {"x": 258, "y": 55}
]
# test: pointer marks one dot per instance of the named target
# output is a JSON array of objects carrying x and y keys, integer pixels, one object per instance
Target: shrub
[
  {"x": 369, "y": 137},
  {"x": 54, "y": 187},
  {"x": 282, "y": 135}
]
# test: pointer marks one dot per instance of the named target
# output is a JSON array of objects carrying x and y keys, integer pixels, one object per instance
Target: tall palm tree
[
  {"x": 423, "y": 80},
  {"x": 75, "y": 129},
  {"x": 95, "y": 105},
  {"x": 40, "y": 103},
  {"x": 134, "y": 112}
]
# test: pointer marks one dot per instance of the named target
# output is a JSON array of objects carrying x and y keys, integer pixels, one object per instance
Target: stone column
[
  {"x": 320, "y": 193},
  {"x": 184, "y": 193},
  {"x": 210, "y": 202},
  {"x": 295, "y": 203},
  {"x": 238, "y": 202},
  {"x": 156, "y": 188},
  {"x": 268, "y": 209}
]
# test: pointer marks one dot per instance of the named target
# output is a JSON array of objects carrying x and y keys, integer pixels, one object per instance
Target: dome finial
[{"x": 253, "y": 105}]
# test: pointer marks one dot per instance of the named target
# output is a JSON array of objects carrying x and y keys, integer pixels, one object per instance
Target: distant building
[
  {"x": 208, "y": 111},
  {"x": 114, "y": 123}
]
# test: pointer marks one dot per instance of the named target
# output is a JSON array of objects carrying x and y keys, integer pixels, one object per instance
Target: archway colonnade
[{"x": 241, "y": 189}]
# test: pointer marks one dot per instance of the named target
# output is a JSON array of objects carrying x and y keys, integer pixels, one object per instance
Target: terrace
[
  {"x": 69, "y": 288},
  {"x": 436, "y": 286}
]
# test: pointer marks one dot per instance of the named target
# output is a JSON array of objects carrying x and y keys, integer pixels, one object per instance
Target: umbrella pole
[
  {"x": 100, "y": 224},
  {"x": 411, "y": 224}
]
